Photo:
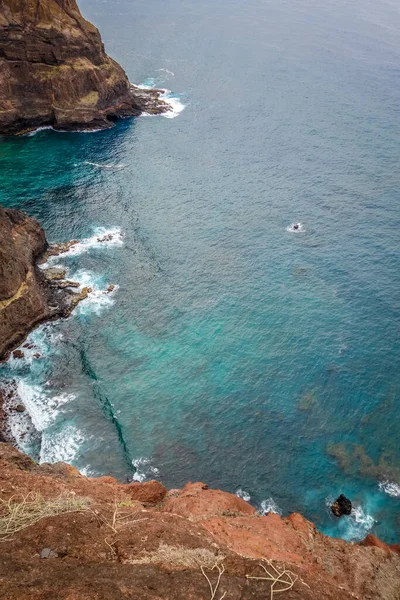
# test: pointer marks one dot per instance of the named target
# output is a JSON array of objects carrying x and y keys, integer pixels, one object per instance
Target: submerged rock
[
  {"x": 55, "y": 72},
  {"x": 341, "y": 506}
]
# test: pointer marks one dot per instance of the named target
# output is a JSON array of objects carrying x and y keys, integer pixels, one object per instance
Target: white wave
[
  {"x": 390, "y": 488},
  {"x": 359, "y": 524},
  {"x": 42, "y": 408},
  {"x": 99, "y": 298},
  {"x": 292, "y": 229},
  {"x": 102, "y": 238},
  {"x": 269, "y": 506},
  {"x": 175, "y": 104},
  {"x": 144, "y": 469},
  {"x": 35, "y": 131},
  {"x": 63, "y": 446},
  {"x": 167, "y": 71},
  {"x": 173, "y": 100},
  {"x": 243, "y": 494},
  {"x": 111, "y": 167}
]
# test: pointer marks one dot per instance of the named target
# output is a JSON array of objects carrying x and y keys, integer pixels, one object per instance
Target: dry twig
[
  {"x": 220, "y": 568},
  {"x": 283, "y": 578}
]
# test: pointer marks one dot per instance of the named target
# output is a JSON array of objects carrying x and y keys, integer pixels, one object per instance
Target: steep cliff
[
  {"x": 70, "y": 537},
  {"x": 54, "y": 71},
  {"x": 28, "y": 294}
]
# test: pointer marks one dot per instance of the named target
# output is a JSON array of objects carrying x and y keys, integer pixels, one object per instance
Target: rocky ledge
[
  {"x": 54, "y": 71},
  {"x": 67, "y": 536},
  {"x": 29, "y": 294}
]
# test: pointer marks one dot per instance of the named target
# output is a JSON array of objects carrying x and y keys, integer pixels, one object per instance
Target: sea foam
[
  {"x": 240, "y": 493},
  {"x": 390, "y": 488},
  {"x": 269, "y": 506},
  {"x": 144, "y": 469}
]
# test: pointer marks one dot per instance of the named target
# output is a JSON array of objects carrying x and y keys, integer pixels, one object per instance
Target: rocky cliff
[
  {"x": 28, "y": 294},
  {"x": 69, "y": 537},
  {"x": 54, "y": 71}
]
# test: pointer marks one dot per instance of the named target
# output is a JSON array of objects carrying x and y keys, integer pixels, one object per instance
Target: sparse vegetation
[
  {"x": 16, "y": 515},
  {"x": 180, "y": 556}
]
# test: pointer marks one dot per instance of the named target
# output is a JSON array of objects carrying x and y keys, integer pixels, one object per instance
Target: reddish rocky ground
[{"x": 138, "y": 541}]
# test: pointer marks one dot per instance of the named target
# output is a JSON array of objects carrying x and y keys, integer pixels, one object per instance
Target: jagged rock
[
  {"x": 28, "y": 295},
  {"x": 341, "y": 506},
  {"x": 110, "y": 288},
  {"x": 20, "y": 408},
  {"x": 54, "y": 273},
  {"x": 54, "y": 71},
  {"x": 56, "y": 249}
]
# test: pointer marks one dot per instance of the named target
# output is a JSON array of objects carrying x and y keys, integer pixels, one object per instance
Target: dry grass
[
  {"x": 16, "y": 515},
  {"x": 179, "y": 556}
]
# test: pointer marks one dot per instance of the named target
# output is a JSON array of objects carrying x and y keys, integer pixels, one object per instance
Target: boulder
[{"x": 341, "y": 506}]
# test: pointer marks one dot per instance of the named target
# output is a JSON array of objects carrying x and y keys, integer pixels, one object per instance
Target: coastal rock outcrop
[
  {"x": 27, "y": 295},
  {"x": 341, "y": 506},
  {"x": 113, "y": 541},
  {"x": 54, "y": 71}
]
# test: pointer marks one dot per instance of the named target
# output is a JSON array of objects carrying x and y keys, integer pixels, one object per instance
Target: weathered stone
[
  {"x": 341, "y": 506},
  {"x": 54, "y": 71},
  {"x": 18, "y": 354}
]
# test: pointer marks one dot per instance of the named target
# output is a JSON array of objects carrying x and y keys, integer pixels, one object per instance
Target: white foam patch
[
  {"x": 173, "y": 100},
  {"x": 269, "y": 506},
  {"x": 61, "y": 447},
  {"x": 360, "y": 524},
  {"x": 110, "y": 167},
  {"x": 292, "y": 229},
  {"x": 390, "y": 488},
  {"x": 42, "y": 409},
  {"x": 144, "y": 469},
  {"x": 167, "y": 71},
  {"x": 175, "y": 104},
  {"x": 102, "y": 238},
  {"x": 243, "y": 495},
  {"x": 99, "y": 298}
]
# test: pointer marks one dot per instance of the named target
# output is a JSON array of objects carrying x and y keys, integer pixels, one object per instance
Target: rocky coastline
[
  {"x": 138, "y": 540},
  {"x": 30, "y": 294},
  {"x": 54, "y": 72}
]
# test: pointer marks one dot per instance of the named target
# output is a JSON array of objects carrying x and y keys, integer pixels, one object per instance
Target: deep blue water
[{"x": 233, "y": 351}]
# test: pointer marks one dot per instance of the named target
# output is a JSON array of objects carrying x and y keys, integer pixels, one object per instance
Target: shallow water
[{"x": 234, "y": 350}]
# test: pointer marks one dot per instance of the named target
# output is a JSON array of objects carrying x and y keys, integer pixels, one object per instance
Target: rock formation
[
  {"x": 27, "y": 296},
  {"x": 139, "y": 542},
  {"x": 341, "y": 506},
  {"x": 54, "y": 71}
]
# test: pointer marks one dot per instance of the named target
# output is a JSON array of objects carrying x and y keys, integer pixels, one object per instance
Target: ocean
[{"x": 234, "y": 349}]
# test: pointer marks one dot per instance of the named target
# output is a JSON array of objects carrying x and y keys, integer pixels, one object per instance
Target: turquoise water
[{"x": 233, "y": 351}]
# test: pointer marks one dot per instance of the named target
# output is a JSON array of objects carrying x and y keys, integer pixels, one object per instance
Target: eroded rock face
[
  {"x": 54, "y": 71},
  {"x": 143, "y": 549},
  {"x": 22, "y": 302},
  {"x": 29, "y": 295}
]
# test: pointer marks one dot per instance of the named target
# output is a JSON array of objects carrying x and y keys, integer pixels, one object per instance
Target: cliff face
[
  {"x": 139, "y": 542},
  {"x": 54, "y": 71},
  {"x": 29, "y": 295},
  {"x": 22, "y": 301}
]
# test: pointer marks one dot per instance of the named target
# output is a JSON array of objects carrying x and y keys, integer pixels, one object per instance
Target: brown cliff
[
  {"x": 138, "y": 542},
  {"x": 28, "y": 295},
  {"x": 54, "y": 71}
]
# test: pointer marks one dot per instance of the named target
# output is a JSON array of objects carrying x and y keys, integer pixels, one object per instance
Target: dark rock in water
[
  {"x": 37, "y": 355},
  {"x": 20, "y": 408},
  {"x": 110, "y": 288},
  {"x": 341, "y": 506},
  {"x": 55, "y": 72},
  {"x": 18, "y": 354}
]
